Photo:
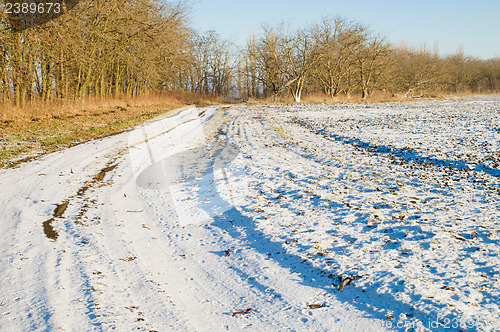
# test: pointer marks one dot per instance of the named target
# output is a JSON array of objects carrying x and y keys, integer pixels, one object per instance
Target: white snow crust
[{"x": 386, "y": 216}]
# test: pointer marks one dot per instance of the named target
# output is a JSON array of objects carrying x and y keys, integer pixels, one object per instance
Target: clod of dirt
[{"x": 345, "y": 282}]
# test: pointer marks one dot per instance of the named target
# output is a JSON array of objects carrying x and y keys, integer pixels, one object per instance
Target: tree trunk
[{"x": 364, "y": 93}]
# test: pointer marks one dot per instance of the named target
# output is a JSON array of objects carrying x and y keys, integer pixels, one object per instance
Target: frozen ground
[{"x": 365, "y": 217}]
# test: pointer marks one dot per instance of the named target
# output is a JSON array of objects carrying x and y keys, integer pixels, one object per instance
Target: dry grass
[
  {"x": 33, "y": 130},
  {"x": 377, "y": 97},
  {"x": 321, "y": 98},
  {"x": 38, "y": 110}
]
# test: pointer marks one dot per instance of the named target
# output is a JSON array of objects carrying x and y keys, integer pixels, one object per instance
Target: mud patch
[
  {"x": 99, "y": 177},
  {"x": 48, "y": 229},
  {"x": 97, "y": 180},
  {"x": 60, "y": 209}
]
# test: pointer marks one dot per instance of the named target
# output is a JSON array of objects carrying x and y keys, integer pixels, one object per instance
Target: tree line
[
  {"x": 134, "y": 47},
  {"x": 341, "y": 57},
  {"x": 100, "y": 48}
]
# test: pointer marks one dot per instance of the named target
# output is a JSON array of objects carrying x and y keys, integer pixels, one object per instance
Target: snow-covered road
[{"x": 384, "y": 216}]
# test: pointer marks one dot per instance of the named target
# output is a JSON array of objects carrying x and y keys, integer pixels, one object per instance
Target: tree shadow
[{"x": 243, "y": 228}]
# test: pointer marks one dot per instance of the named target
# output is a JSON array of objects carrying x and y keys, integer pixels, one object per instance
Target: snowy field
[{"x": 369, "y": 217}]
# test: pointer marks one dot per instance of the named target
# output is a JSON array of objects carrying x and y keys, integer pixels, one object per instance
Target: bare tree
[
  {"x": 370, "y": 60},
  {"x": 287, "y": 58},
  {"x": 414, "y": 71},
  {"x": 269, "y": 63},
  {"x": 212, "y": 64},
  {"x": 338, "y": 41},
  {"x": 249, "y": 68}
]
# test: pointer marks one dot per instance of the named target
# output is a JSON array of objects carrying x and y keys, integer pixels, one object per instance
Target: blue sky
[{"x": 472, "y": 25}]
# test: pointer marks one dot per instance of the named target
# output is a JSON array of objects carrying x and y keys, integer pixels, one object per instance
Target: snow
[{"x": 367, "y": 217}]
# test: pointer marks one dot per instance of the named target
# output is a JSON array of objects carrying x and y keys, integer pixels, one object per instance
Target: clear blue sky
[{"x": 472, "y": 25}]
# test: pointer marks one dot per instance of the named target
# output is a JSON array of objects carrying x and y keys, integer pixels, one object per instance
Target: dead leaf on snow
[
  {"x": 242, "y": 312},
  {"x": 345, "y": 282},
  {"x": 315, "y": 306},
  {"x": 128, "y": 259}
]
